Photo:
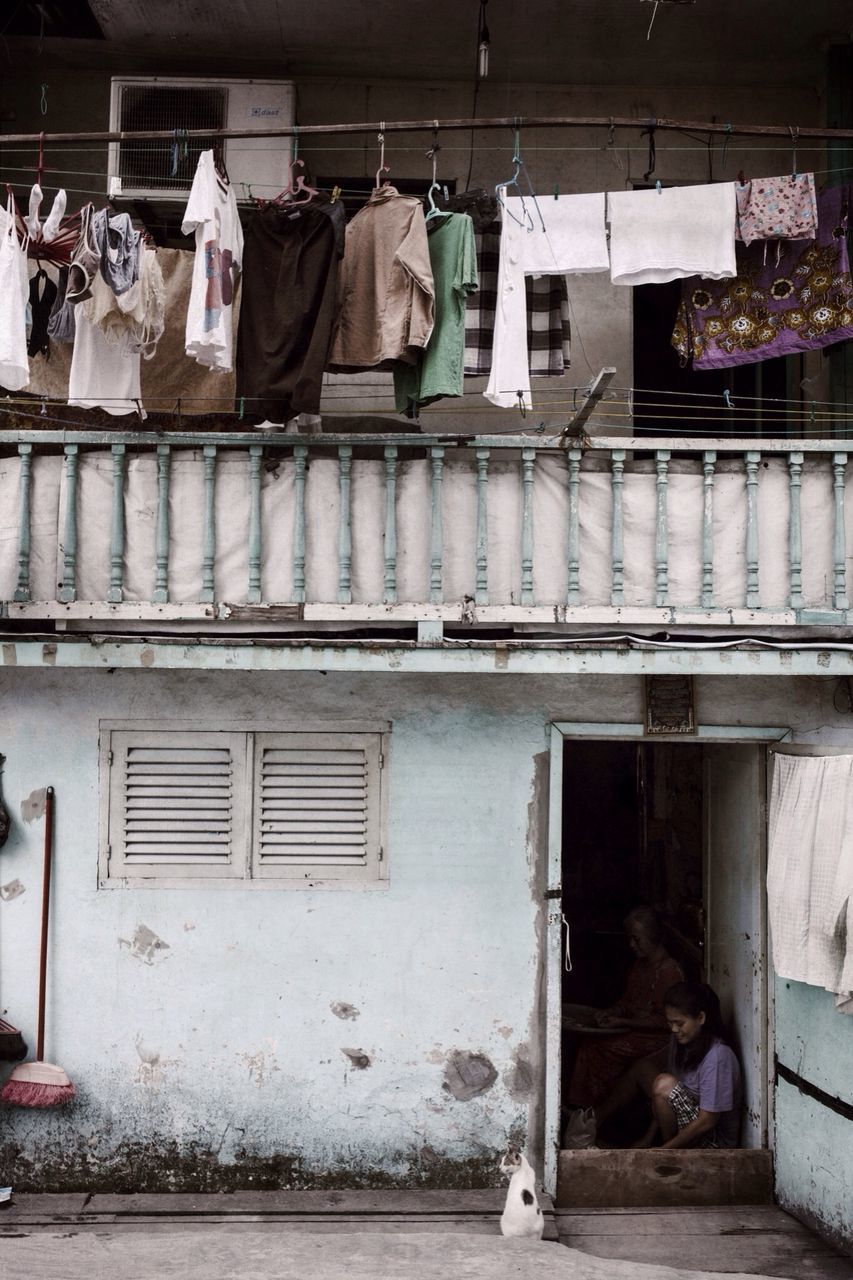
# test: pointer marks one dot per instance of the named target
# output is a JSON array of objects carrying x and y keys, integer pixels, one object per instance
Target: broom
[{"x": 39, "y": 1083}]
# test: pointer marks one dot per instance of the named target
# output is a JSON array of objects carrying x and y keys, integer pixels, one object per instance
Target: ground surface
[{"x": 416, "y": 1235}]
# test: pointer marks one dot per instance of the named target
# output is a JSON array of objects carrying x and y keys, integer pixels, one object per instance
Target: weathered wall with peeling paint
[
  {"x": 225, "y": 1037},
  {"x": 814, "y": 1145}
]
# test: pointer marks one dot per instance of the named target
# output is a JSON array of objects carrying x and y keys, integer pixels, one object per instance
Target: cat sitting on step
[{"x": 522, "y": 1215}]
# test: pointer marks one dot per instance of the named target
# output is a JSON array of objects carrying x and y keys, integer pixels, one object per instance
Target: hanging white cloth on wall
[{"x": 810, "y": 872}]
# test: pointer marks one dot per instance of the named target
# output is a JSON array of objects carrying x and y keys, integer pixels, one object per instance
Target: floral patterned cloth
[
  {"x": 803, "y": 302},
  {"x": 777, "y": 208}
]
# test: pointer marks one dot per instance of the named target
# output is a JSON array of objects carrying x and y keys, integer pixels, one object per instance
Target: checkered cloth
[
  {"x": 548, "y": 325},
  {"x": 686, "y": 1109}
]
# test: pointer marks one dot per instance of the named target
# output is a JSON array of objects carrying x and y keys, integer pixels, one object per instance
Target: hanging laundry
[
  {"x": 211, "y": 213},
  {"x": 672, "y": 232},
  {"x": 803, "y": 302},
  {"x": 386, "y": 288},
  {"x": 538, "y": 237},
  {"x": 62, "y": 322},
  {"x": 133, "y": 320},
  {"x": 85, "y": 259},
  {"x": 810, "y": 872},
  {"x": 288, "y": 307},
  {"x": 42, "y": 295},
  {"x": 14, "y": 295},
  {"x": 103, "y": 374},
  {"x": 777, "y": 208},
  {"x": 547, "y": 299},
  {"x": 118, "y": 244},
  {"x": 439, "y": 370}
]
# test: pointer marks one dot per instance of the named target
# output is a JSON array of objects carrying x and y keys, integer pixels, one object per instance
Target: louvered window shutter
[
  {"x": 177, "y": 804},
  {"x": 317, "y": 806}
]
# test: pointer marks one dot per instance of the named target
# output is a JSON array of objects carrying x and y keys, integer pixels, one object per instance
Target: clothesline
[{"x": 793, "y": 132}]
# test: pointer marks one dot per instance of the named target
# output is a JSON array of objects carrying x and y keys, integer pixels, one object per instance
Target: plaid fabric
[
  {"x": 548, "y": 325},
  {"x": 686, "y": 1109}
]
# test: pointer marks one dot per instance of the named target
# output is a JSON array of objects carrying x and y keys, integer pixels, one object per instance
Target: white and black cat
[{"x": 522, "y": 1215}]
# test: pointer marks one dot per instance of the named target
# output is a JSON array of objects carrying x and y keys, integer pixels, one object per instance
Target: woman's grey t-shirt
[{"x": 715, "y": 1083}]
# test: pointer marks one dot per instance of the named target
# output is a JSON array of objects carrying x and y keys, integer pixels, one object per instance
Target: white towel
[
  {"x": 810, "y": 872},
  {"x": 542, "y": 237},
  {"x": 666, "y": 234}
]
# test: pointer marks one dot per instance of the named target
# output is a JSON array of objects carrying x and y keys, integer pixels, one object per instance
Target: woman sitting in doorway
[
  {"x": 638, "y": 1016},
  {"x": 696, "y": 1101}
]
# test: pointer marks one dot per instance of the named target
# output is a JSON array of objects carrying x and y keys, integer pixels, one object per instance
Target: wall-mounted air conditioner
[{"x": 160, "y": 170}]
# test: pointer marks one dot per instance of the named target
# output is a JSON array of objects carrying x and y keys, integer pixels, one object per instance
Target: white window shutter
[
  {"x": 317, "y": 806},
  {"x": 177, "y": 804}
]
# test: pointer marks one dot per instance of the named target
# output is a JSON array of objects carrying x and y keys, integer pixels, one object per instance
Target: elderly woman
[{"x": 638, "y": 1017}]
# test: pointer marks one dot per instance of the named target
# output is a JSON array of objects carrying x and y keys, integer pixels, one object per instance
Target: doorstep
[
  {"x": 475, "y": 1212},
  {"x": 597, "y": 1179}
]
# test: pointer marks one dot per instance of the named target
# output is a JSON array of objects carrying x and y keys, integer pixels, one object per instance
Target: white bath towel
[
  {"x": 810, "y": 872},
  {"x": 666, "y": 234},
  {"x": 542, "y": 237}
]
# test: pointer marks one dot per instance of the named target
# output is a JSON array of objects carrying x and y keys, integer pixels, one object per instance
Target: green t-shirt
[{"x": 438, "y": 372}]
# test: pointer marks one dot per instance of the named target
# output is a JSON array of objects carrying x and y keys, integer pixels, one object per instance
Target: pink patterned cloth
[{"x": 777, "y": 208}]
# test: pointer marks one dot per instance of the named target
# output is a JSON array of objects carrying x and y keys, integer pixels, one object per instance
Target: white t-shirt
[
  {"x": 103, "y": 375},
  {"x": 211, "y": 213},
  {"x": 14, "y": 295}
]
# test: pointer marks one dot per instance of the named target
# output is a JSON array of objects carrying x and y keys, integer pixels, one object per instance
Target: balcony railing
[{"x": 486, "y": 529}]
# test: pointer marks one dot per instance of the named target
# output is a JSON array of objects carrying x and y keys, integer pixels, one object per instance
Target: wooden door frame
[{"x": 562, "y": 730}]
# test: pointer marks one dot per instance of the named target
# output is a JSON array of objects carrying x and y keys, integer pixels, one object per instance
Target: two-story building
[{"x": 357, "y": 730}]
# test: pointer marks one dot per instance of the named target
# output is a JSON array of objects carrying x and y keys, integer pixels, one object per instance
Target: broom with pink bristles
[{"x": 40, "y": 1083}]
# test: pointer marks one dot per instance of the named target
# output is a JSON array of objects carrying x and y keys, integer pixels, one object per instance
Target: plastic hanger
[{"x": 433, "y": 211}]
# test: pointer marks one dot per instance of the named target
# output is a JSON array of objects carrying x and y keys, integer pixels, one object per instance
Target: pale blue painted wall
[
  {"x": 224, "y": 1048},
  {"x": 224, "y": 1042},
  {"x": 814, "y": 1145}
]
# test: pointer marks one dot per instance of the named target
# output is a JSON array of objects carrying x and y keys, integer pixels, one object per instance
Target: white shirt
[
  {"x": 538, "y": 237},
  {"x": 211, "y": 213}
]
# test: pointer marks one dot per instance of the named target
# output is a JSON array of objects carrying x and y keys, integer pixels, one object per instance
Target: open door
[{"x": 736, "y": 950}]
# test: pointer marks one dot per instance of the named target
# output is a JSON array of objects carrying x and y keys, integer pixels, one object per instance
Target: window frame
[{"x": 245, "y": 871}]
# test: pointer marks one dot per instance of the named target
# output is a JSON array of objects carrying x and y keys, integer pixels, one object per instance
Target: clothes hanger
[
  {"x": 501, "y": 188},
  {"x": 383, "y": 167},
  {"x": 433, "y": 211},
  {"x": 301, "y": 193}
]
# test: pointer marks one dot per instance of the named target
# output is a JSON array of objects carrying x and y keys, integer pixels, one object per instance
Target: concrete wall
[
  {"x": 217, "y": 1059},
  {"x": 814, "y": 1145}
]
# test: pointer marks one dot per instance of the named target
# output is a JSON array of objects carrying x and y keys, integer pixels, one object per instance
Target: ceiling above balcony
[{"x": 540, "y": 41}]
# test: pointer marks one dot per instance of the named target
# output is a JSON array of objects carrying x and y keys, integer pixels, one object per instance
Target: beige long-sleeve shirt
[{"x": 386, "y": 290}]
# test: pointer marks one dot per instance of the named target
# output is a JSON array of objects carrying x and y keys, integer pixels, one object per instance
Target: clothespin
[
  {"x": 556, "y": 190},
  {"x": 336, "y": 191},
  {"x": 43, "y": 413},
  {"x": 522, "y": 408},
  {"x": 658, "y": 187},
  {"x": 43, "y": 101},
  {"x": 242, "y": 407},
  {"x": 795, "y": 133},
  {"x": 728, "y": 399}
]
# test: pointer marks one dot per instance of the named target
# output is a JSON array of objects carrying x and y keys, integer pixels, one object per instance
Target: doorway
[{"x": 678, "y": 825}]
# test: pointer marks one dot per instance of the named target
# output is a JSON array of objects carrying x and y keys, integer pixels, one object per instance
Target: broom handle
[{"x": 45, "y": 913}]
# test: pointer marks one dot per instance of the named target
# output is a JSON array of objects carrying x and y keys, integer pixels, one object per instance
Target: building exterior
[{"x": 412, "y": 631}]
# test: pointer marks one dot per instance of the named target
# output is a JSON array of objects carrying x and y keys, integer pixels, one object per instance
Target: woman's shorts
[{"x": 686, "y": 1109}]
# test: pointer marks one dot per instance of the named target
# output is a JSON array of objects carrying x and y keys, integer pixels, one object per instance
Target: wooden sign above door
[{"x": 669, "y": 704}]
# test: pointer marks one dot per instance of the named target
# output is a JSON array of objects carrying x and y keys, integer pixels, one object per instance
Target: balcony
[{"x": 225, "y": 531}]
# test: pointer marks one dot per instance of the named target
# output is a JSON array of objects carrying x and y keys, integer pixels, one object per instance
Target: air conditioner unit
[{"x": 162, "y": 170}]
